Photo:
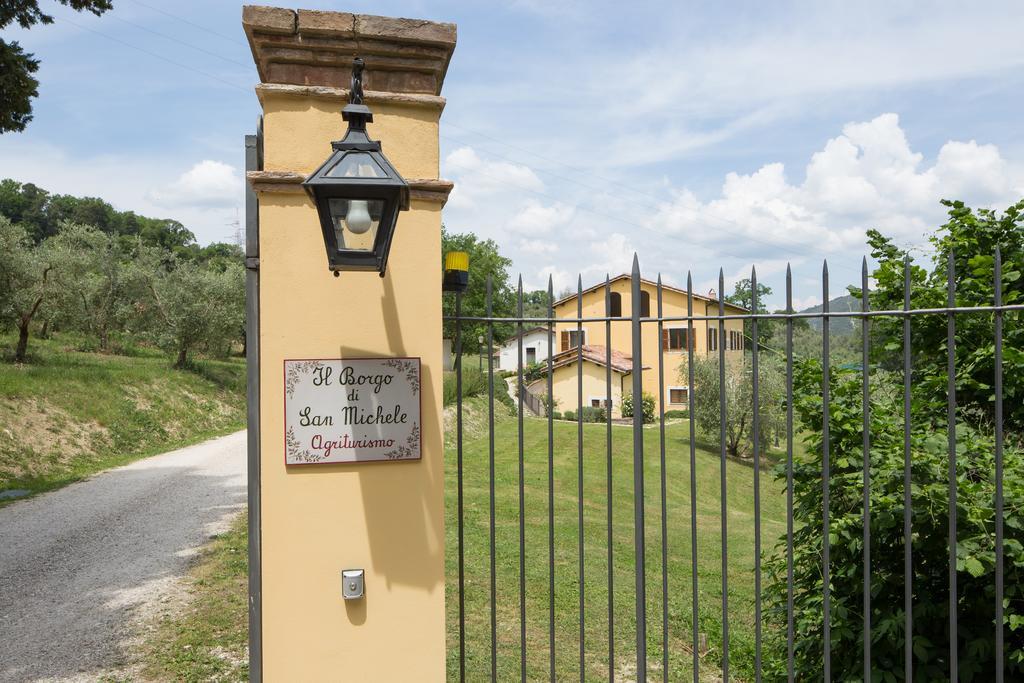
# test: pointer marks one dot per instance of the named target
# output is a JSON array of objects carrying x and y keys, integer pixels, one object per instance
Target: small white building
[{"x": 535, "y": 349}]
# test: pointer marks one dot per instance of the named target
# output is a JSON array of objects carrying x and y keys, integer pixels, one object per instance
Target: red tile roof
[{"x": 621, "y": 362}]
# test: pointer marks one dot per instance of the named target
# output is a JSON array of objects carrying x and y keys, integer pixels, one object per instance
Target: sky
[{"x": 698, "y": 135}]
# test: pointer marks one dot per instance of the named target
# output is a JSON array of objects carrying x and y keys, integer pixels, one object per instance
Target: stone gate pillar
[{"x": 387, "y": 518}]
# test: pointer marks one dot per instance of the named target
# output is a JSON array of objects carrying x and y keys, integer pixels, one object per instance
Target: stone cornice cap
[{"x": 309, "y": 47}]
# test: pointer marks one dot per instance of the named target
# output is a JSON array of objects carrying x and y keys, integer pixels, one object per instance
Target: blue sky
[{"x": 699, "y": 134}]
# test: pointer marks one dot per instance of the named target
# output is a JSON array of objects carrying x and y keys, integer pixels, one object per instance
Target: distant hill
[{"x": 837, "y": 326}]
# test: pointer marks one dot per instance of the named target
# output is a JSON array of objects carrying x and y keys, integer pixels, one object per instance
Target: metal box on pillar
[{"x": 346, "y": 555}]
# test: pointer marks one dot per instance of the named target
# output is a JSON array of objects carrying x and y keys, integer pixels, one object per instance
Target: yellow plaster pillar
[{"x": 386, "y": 518}]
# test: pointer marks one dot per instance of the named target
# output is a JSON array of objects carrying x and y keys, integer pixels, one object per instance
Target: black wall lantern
[{"x": 357, "y": 192}]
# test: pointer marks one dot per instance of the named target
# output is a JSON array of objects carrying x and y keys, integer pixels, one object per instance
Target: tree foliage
[
  {"x": 970, "y": 238},
  {"x": 743, "y": 296},
  {"x": 42, "y": 214},
  {"x": 739, "y": 400},
  {"x": 27, "y": 281},
  {"x": 975, "y": 546},
  {"x": 18, "y": 86},
  {"x": 484, "y": 261}
]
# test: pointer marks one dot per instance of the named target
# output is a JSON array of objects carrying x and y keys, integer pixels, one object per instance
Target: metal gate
[{"x": 513, "y": 511}]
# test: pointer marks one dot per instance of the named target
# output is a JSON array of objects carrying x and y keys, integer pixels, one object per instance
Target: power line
[
  {"x": 155, "y": 55},
  {"x": 190, "y": 23},
  {"x": 182, "y": 42}
]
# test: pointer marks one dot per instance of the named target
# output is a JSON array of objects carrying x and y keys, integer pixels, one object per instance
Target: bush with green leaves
[
  {"x": 975, "y": 545},
  {"x": 648, "y": 407},
  {"x": 592, "y": 414},
  {"x": 569, "y": 415}
]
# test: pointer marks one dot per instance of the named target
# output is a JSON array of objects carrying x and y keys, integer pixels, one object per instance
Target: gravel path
[{"x": 79, "y": 564}]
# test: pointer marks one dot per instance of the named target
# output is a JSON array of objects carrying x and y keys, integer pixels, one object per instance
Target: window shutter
[
  {"x": 664, "y": 339},
  {"x": 565, "y": 340}
]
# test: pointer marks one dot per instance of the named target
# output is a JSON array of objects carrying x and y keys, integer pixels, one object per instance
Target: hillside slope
[{"x": 68, "y": 414}]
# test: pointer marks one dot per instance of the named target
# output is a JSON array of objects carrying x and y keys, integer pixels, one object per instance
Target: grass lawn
[
  {"x": 67, "y": 414},
  {"x": 567, "y": 632}
]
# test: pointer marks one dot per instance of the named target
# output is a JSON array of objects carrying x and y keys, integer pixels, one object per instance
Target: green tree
[
  {"x": 195, "y": 307},
  {"x": 98, "y": 303},
  {"x": 28, "y": 277},
  {"x": 484, "y": 261},
  {"x": 970, "y": 237},
  {"x": 18, "y": 85},
  {"x": 975, "y": 557},
  {"x": 742, "y": 295},
  {"x": 739, "y": 400}
]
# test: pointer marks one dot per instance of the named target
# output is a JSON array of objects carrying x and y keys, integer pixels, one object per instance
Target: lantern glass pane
[
  {"x": 356, "y": 222},
  {"x": 356, "y": 165}
]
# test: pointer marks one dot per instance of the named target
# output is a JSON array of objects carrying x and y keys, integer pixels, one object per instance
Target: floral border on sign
[
  {"x": 304, "y": 367},
  {"x": 411, "y": 447},
  {"x": 295, "y": 450},
  {"x": 409, "y": 368}
]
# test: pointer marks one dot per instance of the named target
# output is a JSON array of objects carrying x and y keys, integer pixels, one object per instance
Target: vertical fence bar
[
  {"x": 722, "y": 416},
  {"x": 951, "y": 435},
  {"x": 826, "y": 461},
  {"x": 998, "y": 387},
  {"x": 789, "y": 474},
  {"x": 638, "y": 478},
  {"x": 551, "y": 483},
  {"x": 693, "y": 479},
  {"x": 458, "y": 450},
  {"x": 908, "y": 626},
  {"x": 865, "y": 330},
  {"x": 490, "y": 460},
  {"x": 520, "y": 388},
  {"x": 579, "y": 466},
  {"x": 608, "y": 451},
  {"x": 664, "y": 492},
  {"x": 756, "y": 430}
]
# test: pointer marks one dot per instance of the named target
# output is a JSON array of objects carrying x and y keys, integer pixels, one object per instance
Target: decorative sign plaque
[{"x": 351, "y": 410}]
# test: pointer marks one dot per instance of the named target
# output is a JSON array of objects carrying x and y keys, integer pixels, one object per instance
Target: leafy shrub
[
  {"x": 534, "y": 371},
  {"x": 556, "y": 415},
  {"x": 569, "y": 415},
  {"x": 677, "y": 414},
  {"x": 592, "y": 414},
  {"x": 975, "y": 533},
  {"x": 648, "y": 407},
  {"x": 474, "y": 383}
]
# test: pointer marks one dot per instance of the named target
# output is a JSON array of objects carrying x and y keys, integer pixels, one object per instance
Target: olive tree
[
  {"x": 28, "y": 281},
  {"x": 195, "y": 307},
  {"x": 98, "y": 303},
  {"x": 739, "y": 400}
]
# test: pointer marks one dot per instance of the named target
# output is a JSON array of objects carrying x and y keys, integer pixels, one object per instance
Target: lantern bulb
[{"x": 358, "y": 220}]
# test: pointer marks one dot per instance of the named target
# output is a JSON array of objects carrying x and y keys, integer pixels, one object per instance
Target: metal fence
[{"x": 642, "y": 499}]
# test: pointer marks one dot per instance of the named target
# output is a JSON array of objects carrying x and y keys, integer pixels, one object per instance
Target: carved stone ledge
[
  {"x": 425, "y": 189},
  {"x": 316, "y": 48},
  {"x": 340, "y": 95}
]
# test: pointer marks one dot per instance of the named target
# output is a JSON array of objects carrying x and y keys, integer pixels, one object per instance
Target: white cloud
[
  {"x": 481, "y": 180},
  {"x": 210, "y": 184},
  {"x": 535, "y": 219},
  {"x": 867, "y": 177}
]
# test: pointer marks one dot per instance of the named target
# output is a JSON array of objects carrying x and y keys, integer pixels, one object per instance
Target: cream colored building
[{"x": 670, "y": 349}]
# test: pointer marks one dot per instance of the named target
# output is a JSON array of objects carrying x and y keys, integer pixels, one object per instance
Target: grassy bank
[
  {"x": 207, "y": 639},
  {"x": 68, "y": 414}
]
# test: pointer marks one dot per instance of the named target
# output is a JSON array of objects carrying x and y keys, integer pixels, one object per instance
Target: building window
[
  {"x": 675, "y": 339},
  {"x": 712, "y": 339},
  {"x": 616, "y": 305},
  {"x": 531, "y": 355},
  {"x": 645, "y": 304},
  {"x": 571, "y": 338},
  {"x": 678, "y": 395}
]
